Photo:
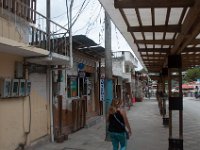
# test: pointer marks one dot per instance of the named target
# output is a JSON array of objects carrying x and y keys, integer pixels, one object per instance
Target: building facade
[{"x": 26, "y": 59}]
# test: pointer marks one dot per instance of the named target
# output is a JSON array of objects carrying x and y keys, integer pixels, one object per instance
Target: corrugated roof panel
[
  {"x": 138, "y": 35},
  {"x": 160, "y": 16},
  {"x": 149, "y": 45},
  {"x": 148, "y": 35},
  {"x": 131, "y": 16},
  {"x": 190, "y": 46},
  {"x": 165, "y": 46},
  {"x": 198, "y": 36},
  {"x": 198, "y": 45},
  {"x": 175, "y": 15},
  {"x": 169, "y": 36},
  {"x": 158, "y": 35},
  {"x": 146, "y": 17},
  {"x": 141, "y": 45},
  {"x": 83, "y": 41},
  {"x": 157, "y": 46}
]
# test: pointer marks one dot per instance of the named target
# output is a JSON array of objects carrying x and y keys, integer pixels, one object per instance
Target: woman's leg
[
  {"x": 123, "y": 141},
  {"x": 114, "y": 140}
]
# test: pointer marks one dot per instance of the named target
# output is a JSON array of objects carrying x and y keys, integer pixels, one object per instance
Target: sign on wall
[{"x": 102, "y": 91}]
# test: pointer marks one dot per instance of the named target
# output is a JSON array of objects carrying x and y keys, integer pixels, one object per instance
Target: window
[{"x": 127, "y": 70}]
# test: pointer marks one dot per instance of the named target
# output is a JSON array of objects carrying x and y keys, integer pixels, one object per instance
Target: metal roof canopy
[
  {"x": 87, "y": 46},
  {"x": 156, "y": 28}
]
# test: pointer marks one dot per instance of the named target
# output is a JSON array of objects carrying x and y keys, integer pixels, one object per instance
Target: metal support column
[{"x": 175, "y": 101}]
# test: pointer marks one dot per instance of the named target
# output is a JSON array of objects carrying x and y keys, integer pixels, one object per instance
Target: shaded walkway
[{"x": 148, "y": 131}]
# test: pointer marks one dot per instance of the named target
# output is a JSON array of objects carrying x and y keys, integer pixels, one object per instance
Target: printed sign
[{"x": 102, "y": 94}]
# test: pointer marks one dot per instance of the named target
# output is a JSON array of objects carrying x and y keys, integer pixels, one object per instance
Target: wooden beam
[
  {"x": 158, "y": 70},
  {"x": 190, "y": 28},
  {"x": 191, "y": 56},
  {"x": 169, "y": 28},
  {"x": 193, "y": 49},
  {"x": 158, "y": 42},
  {"x": 153, "y": 65},
  {"x": 152, "y": 3},
  {"x": 195, "y": 42},
  {"x": 160, "y": 50},
  {"x": 154, "y": 56}
]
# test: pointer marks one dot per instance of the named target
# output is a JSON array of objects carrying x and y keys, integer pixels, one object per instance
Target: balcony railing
[{"x": 30, "y": 27}]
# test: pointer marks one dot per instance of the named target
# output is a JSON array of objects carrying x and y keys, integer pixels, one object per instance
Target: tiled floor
[{"x": 148, "y": 131}]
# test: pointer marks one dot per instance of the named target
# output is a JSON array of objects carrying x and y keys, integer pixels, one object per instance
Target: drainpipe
[{"x": 51, "y": 105}]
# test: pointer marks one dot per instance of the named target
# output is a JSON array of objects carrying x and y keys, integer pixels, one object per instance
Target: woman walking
[{"x": 118, "y": 122}]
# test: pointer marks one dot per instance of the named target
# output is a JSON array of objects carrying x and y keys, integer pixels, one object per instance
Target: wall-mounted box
[
  {"x": 19, "y": 70},
  {"x": 15, "y": 88},
  {"x": 5, "y": 87},
  {"x": 22, "y": 87},
  {"x": 28, "y": 87}
]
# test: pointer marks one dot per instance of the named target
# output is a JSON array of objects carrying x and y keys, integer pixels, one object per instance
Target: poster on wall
[
  {"x": 102, "y": 90},
  {"x": 73, "y": 87}
]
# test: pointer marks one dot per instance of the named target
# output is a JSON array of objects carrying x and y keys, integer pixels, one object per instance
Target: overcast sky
[{"x": 89, "y": 23}]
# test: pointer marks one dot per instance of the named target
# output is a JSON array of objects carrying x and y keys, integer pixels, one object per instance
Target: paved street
[
  {"x": 148, "y": 131},
  {"x": 191, "y": 124}
]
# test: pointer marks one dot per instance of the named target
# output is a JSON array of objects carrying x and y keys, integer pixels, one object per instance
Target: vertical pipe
[
  {"x": 51, "y": 105},
  {"x": 108, "y": 69},
  {"x": 48, "y": 13}
]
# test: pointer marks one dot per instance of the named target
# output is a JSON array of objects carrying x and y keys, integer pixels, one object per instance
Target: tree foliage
[{"x": 192, "y": 75}]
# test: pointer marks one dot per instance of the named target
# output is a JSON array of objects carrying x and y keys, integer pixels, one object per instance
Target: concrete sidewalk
[
  {"x": 148, "y": 132},
  {"x": 146, "y": 123}
]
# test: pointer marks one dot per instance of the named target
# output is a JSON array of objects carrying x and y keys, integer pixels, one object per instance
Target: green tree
[{"x": 192, "y": 75}]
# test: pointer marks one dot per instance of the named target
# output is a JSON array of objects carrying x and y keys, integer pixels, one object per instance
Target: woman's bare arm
[{"x": 123, "y": 112}]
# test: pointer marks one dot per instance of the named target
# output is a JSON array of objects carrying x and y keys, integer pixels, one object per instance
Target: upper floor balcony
[
  {"x": 127, "y": 57},
  {"x": 23, "y": 31},
  {"x": 124, "y": 64}
]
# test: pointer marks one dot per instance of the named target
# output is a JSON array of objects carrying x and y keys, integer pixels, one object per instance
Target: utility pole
[
  {"x": 108, "y": 69},
  {"x": 70, "y": 24},
  {"x": 48, "y": 14}
]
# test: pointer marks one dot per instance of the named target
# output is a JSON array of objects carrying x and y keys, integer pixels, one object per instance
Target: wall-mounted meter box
[
  {"x": 19, "y": 70},
  {"x": 15, "y": 88},
  {"x": 5, "y": 87},
  {"x": 28, "y": 87},
  {"x": 22, "y": 87}
]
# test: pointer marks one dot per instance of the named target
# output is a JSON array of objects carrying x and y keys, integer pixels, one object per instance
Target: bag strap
[{"x": 119, "y": 121}]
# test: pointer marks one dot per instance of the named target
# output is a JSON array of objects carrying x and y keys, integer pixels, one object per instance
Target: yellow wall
[
  {"x": 10, "y": 30},
  {"x": 14, "y": 112}
]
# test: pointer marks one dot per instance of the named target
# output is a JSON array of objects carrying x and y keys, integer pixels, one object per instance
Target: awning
[{"x": 155, "y": 29}]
